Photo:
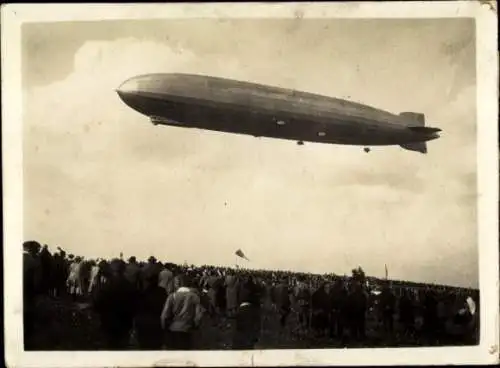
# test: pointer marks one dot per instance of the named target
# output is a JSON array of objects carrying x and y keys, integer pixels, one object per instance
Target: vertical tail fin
[
  {"x": 417, "y": 121},
  {"x": 416, "y": 118}
]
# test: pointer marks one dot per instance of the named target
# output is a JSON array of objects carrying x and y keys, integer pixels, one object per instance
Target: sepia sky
[{"x": 100, "y": 179}]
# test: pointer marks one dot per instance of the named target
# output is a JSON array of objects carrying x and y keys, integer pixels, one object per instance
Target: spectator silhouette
[
  {"x": 147, "y": 321},
  {"x": 116, "y": 302}
]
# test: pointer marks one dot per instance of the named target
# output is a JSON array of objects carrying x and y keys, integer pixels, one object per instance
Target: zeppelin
[{"x": 225, "y": 105}]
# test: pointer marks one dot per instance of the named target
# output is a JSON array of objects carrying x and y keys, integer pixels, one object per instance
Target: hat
[{"x": 31, "y": 245}]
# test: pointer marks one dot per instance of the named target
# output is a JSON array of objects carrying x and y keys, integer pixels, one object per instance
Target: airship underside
[{"x": 218, "y": 104}]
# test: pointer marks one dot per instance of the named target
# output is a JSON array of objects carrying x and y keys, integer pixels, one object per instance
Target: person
[
  {"x": 152, "y": 267},
  {"x": 213, "y": 284},
  {"x": 104, "y": 271},
  {"x": 94, "y": 276},
  {"x": 303, "y": 301},
  {"x": 181, "y": 315},
  {"x": 84, "y": 276},
  {"x": 387, "y": 304},
  {"x": 116, "y": 305},
  {"x": 430, "y": 315},
  {"x": 148, "y": 328},
  {"x": 357, "y": 304},
  {"x": 60, "y": 273},
  {"x": 407, "y": 313},
  {"x": 338, "y": 298},
  {"x": 46, "y": 263},
  {"x": 166, "y": 280},
  {"x": 231, "y": 285},
  {"x": 32, "y": 273},
  {"x": 246, "y": 329},
  {"x": 460, "y": 325},
  {"x": 74, "y": 278},
  {"x": 320, "y": 304},
  {"x": 132, "y": 272},
  {"x": 283, "y": 302}
]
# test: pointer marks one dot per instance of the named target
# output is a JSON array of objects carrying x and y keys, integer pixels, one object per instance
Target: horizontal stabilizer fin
[
  {"x": 417, "y": 146},
  {"x": 423, "y": 129}
]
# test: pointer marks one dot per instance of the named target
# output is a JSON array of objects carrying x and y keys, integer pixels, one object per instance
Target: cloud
[{"x": 100, "y": 179}]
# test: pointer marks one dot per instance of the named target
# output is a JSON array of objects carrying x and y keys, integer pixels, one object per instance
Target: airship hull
[{"x": 224, "y": 105}]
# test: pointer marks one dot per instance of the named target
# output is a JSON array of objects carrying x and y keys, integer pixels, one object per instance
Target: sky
[{"x": 99, "y": 179}]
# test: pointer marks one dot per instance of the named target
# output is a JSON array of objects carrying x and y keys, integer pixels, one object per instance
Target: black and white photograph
[{"x": 313, "y": 181}]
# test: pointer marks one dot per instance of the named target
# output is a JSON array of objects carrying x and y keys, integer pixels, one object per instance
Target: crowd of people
[{"x": 163, "y": 304}]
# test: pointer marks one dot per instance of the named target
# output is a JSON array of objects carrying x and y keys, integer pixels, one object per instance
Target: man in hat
[{"x": 116, "y": 305}]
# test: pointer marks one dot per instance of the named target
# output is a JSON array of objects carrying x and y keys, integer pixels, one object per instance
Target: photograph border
[{"x": 487, "y": 352}]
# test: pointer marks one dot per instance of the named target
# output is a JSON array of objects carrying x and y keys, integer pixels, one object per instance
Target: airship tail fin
[
  {"x": 417, "y": 146},
  {"x": 416, "y": 122},
  {"x": 416, "y": 118}
]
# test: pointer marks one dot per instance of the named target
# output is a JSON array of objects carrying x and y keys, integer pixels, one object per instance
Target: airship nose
[
  {"x": 129, "y": 86},
  {"x": 142, "y": 93},
  {"x": 129, "y": 92}
]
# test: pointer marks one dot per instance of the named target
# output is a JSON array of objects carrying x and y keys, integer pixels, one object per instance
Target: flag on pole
[
  {"x": 386, "y": 273},
  {"x": 240, "y": 254}
]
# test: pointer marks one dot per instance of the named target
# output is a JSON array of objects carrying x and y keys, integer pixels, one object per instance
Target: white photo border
[{"x": 14, "y": 15}]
